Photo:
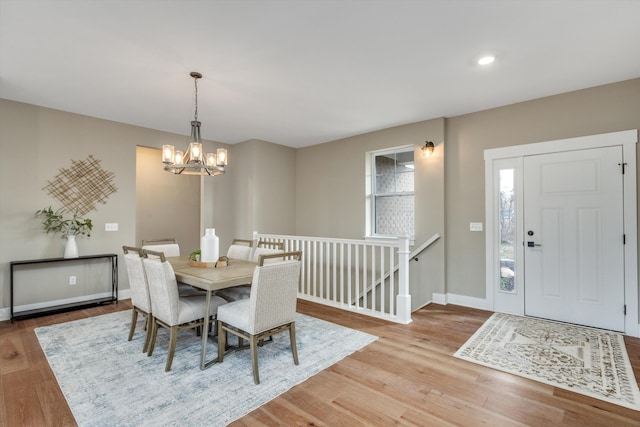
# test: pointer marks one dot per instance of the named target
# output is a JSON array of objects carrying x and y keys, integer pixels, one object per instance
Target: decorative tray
[{"x": 200, "y": 264}]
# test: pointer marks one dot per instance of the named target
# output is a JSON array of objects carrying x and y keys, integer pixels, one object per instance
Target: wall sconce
[{"x": 428, "y": 148}]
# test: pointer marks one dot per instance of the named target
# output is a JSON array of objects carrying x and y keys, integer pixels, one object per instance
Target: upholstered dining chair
[
  {"x": 240, "y": 249},
  {"x": 170, "y": 310},
  {"x": 140, "y": 300},
  {"x": 170, "y": 248},
  {"x": 239, "y": 292},
  {"x": 257, "y": 252},
  {"x": 270, "y": 309}
]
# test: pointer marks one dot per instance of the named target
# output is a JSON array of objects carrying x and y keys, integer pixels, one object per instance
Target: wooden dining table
[{"x": 210, "y": 279}]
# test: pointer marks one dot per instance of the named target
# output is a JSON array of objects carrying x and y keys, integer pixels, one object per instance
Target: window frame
[{"x": 372, "y": 193}]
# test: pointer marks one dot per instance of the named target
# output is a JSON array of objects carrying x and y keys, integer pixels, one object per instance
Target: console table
[{"x": 71, "y": 306}]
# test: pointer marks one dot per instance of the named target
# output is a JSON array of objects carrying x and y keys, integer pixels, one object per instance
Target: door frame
[{"x": 513, "y": 155}]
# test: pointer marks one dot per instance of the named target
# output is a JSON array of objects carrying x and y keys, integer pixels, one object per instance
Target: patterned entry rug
[
  {"x": 108, "y": 381},
  {"x": 589, "y": 361}
]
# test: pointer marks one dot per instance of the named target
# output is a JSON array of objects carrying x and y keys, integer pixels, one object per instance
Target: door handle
[{"x": 532, "y": 244}]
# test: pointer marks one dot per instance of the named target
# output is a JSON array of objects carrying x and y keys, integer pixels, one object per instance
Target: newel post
[{"x": 403, "y": 302}]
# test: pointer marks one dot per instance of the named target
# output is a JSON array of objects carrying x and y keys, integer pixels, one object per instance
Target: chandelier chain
[{"x": 195, "y": 82}]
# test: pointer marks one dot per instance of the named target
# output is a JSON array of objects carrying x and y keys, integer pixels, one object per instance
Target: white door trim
[{"x": 628, "y": 140}]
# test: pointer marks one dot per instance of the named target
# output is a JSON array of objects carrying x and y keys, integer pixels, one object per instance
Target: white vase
[
  {"x": 71, "y": 248},
  {"x": 209, "y": 245}
]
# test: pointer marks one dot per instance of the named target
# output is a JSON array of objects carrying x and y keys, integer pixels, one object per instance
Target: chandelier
[{"x": 194, "y": 161}]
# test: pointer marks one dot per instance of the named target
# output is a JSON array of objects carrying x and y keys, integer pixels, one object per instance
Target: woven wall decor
[{"x": 82, "y": 186}]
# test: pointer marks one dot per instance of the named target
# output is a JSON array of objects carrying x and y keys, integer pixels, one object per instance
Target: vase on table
[
  {"x": 209, "y": 245},
  {"x": 71, "y": 248}
]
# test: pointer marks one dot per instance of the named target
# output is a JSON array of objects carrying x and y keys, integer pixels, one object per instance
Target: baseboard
[
  {"x": 463, "y": 300},
  {"x": 5, "y": 313},
  {"x": 478, "y": 303},
  {"x": 439, "y": 298}
]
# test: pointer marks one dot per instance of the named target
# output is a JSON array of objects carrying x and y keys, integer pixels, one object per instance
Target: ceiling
[{"x": 300, "y": 73}]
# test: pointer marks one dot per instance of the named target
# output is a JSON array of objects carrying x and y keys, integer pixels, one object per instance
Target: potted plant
[{"x": 56, "y": 223}]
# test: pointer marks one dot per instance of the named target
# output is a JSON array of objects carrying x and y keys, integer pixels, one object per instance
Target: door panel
[{"x": 574, "y": 254}]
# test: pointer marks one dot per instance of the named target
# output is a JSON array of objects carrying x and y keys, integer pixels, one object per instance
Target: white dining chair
[
  {"x": 270, "y": 309},
  {"x": 240, "y": 249},
  {"x": 170, "y": 310}
]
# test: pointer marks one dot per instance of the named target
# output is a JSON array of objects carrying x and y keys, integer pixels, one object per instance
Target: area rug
[
  {"x": 108, "y": 380},
  {"x": 588, "y": 361}
]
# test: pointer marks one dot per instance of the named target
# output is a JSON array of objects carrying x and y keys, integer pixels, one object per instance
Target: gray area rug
[
  {"x": 108, "y": 381},
  {"x": 588, "y": 361}
]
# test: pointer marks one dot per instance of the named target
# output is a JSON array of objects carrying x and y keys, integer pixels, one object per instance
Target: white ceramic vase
[
  {"x": 209, "y": 246},
  {"x": 71, "y": 248}
]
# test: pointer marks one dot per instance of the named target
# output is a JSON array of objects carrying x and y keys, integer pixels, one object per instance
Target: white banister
[
  {"x": 357, "y": 275},
  {"x": 404, "y": 298}
]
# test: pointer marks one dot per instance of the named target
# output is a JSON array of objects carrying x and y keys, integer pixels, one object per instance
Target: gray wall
[
  {"x": 591, "y": 111},
  {"x": 315, "y": 191},
  {"x": 36, "y": 142},
  {"x": 331, "y": 199},
  {"x": 166, "y": 205}
]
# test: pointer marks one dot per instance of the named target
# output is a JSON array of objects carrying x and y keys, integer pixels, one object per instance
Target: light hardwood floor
[{"x": 407, "y": 377}]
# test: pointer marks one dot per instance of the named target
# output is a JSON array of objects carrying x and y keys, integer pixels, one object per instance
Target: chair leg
[
  {"x": 147, "y": 327},
  {"x": 222, "y": 342},
  {"x": 134, "y": 320},
  {"x": 173, "y": 337},
  {"x": 253, "y": 343},
  {"x": 294, "y": 346},
  {"x": 154, "y": 333}
]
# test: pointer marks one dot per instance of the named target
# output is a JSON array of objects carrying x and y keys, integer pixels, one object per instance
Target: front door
[{"x": 573, "y": 237}]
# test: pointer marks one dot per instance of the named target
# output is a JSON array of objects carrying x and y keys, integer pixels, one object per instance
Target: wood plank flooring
[{"x": 407, "y": 377}]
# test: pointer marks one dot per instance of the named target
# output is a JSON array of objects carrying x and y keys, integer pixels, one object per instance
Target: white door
[{"x": 573, "y": 237}]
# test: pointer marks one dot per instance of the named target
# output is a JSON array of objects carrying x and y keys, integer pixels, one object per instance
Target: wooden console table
[{"x": 71, "y": 306}]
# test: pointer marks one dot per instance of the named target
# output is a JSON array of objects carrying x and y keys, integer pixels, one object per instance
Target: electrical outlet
[
  {"x": 475, "y": 226},
  {"x": 111, "y": 226},
  {"x": 72, "y": 280}
]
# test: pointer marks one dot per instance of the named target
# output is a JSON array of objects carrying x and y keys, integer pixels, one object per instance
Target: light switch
[
  {"x": 475, "y": 226},
  {"x": 111, "y": 226}
]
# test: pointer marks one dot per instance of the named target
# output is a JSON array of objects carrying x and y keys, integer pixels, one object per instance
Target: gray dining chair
[
  {"x": 140, "y": 300},
  {"x": 239, "y": 292},
  {"x": 170, "y": 310},
  {"x": 170, "y": 248},
  {"x": 270, "y": 309}
]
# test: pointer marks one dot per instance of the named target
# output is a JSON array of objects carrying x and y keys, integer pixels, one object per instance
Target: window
[
  {"x": 392, "y": 198},
  {"x": 507, "y": 230}
]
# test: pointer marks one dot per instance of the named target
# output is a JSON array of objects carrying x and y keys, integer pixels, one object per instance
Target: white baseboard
[
  {"x": 5, "y": 313},
  {"x": 439, "y": 298},
  {"x": 465, "y": 301},
  {"x": 479, "y": 303}
]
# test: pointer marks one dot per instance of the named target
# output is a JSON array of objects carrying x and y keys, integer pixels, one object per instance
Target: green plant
[
  {"x": 55, "y": 222},
  {"x": 193, "y": 255}
]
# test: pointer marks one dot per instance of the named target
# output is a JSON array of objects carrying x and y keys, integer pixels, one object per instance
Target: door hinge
[
  {"x": 625, "y": 309},
  {"x": 624, "y": 239},
  {"x": 623, "y": 166}
]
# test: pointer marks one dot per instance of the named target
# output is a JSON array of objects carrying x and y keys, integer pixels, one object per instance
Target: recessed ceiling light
[{"x": 486, "y": 60}]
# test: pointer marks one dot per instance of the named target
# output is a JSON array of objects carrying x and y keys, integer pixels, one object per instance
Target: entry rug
[
  {"x": 588, "y": 361},
  {"x": 108, "y": 380}
]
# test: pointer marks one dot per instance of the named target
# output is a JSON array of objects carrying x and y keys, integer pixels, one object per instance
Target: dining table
[{"x": 208, "y": 278}]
